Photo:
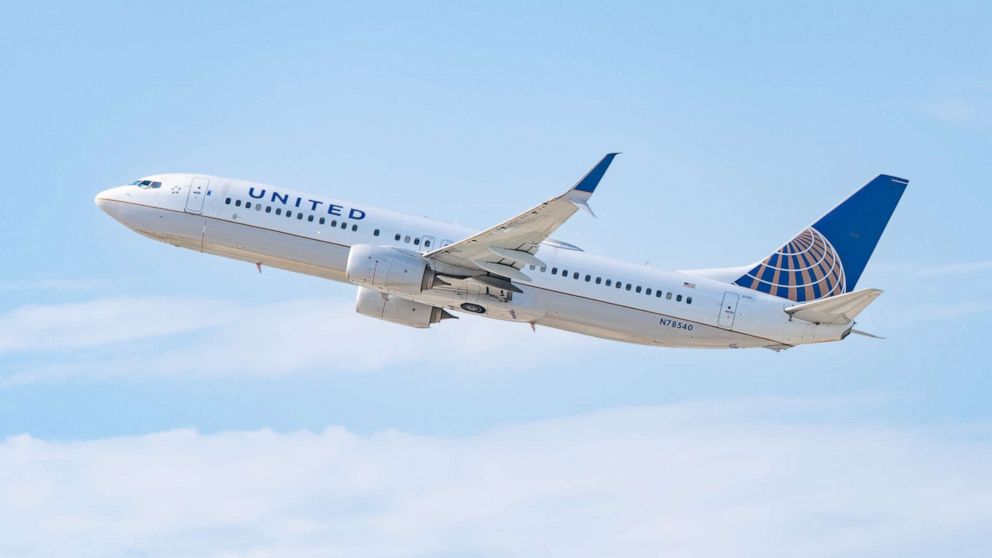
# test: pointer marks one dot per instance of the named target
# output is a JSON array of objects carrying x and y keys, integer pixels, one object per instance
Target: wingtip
[{"x": 589, "y": 182}]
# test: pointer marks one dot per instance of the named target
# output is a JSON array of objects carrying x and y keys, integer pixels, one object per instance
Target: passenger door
[
  {"x": 197, "y": 194},
  {"x": 728, "y": 310}
]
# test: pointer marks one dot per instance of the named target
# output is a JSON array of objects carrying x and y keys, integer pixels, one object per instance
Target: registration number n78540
[{"x": 675, "y": 324}]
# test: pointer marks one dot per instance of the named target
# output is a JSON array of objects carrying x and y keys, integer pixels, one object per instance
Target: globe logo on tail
[{"x": 807, "y": 268}]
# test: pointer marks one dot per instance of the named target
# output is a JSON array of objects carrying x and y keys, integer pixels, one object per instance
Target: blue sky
[{"x": 738, "y": 126}]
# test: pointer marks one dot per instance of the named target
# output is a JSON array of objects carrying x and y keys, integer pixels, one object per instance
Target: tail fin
[{"x": 827, "y": 258}]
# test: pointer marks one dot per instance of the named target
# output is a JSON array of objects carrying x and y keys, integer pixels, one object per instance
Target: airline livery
[{"x": 416, "y": 271}]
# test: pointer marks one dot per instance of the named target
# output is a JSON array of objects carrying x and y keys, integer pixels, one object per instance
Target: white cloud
[
  {"x": 61, "y": 285},
  {"x": 102, "y": 322},
  {"x": 154, "y": 337},
  {"x": 685, "y": 480}
]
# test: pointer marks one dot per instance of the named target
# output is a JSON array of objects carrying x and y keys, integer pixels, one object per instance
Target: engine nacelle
[
  {"x": 397, "y": 310},
  {"x": 380, "y": 267}
]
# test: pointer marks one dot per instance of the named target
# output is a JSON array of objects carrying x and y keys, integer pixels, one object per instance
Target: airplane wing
[{"x": 506, "y": 248}]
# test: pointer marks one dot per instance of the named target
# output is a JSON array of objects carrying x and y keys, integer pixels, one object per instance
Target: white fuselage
[{"x": 575, "y": 292}]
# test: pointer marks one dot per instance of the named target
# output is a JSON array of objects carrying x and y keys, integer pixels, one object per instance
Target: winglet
[{"x": 592, "y": 178}]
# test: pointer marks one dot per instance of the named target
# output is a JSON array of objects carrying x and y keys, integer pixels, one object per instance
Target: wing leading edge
[{"x": 504, "y": 249}]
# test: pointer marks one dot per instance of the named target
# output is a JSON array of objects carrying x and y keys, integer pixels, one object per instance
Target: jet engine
[
  {"x": 391, "y": 308},
  {"x": 380, "y": 267}
]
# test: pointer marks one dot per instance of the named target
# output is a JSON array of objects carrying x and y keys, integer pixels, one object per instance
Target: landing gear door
[
  {"x": 728, "y": 310},
  {"x": 197, "y": 194}
]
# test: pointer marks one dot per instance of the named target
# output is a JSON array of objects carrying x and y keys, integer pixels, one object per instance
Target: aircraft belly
[
  {"x": 276, "y": 249},
  {"x": 617, "y": 322}
]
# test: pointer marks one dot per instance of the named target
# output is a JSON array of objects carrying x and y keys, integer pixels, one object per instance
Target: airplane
[{"x": 417, "y": 271}]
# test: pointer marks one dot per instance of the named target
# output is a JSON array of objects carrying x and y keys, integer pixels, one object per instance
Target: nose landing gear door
[{"x": 197, "y": 194}]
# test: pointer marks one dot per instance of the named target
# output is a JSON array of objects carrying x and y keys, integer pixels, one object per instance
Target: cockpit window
[{"x": 146, "y": 184}]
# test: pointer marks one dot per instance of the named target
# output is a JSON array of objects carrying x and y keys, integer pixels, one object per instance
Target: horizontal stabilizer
[
  {"x": 836, "y": 310},
  {"x": 866, "y": 334}
]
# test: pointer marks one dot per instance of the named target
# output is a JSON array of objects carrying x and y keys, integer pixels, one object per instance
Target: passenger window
[
  {"x": 375, "y": 232},
  {"x": 310, "y": 218},
  {"x": 227, "y": 201},
  {"x": 531, "y": 267},
  {"x": 278, "y": 211},
  {"x": 658, "y": 294},
  {"x": 289, "y": 214},
  {"x": 619, "y": 284},
  {"x": 344, "y": 225},
  {"x": 397, "y": 237},
  {"x": 354, "y": 228},
  {"x": 258, "y": 207},
  {"x": 544, "y": 268},
  {"x": 268, "y": 209},
  {"x": 678, "y": 298},
  {"x": 638, "y": 289},
  {"x": 406, "y": 238},
  {"x": 237, "y": 203},
  {"x": 668, "y": 296},
  {"x": 416, "y": 242},
  {"x": 334, "y": 223},
  {"x": 609, "y": 282},
  {"x": 648, "y": 291},
  {"x": 688, "y": 300},
  {"x": 599, "y": 280},
  {"x": 427, "y": 244},
  {"x": 247, "y": 205},
  {"x": 575, "y": 275},
  {"x": 322, "y": 221},
  {"x": 299, "y": 216},
  {"x": 588, "y": 278},
  {"x": 554, "y": 271},
  {"x": 628, "y": 286}
]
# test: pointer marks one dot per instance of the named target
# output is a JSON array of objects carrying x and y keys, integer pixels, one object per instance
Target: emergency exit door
[{"x": 728, "y": 311}]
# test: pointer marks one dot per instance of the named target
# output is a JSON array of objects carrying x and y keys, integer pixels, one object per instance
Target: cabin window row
[
  {"x": 415, "y": 240},
  {"x": 289, "y": 214},
  {"x": 425, "y": 241},
  {"x": 648, "y": 291}
]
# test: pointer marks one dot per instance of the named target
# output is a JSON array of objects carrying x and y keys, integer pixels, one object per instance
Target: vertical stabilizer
[{"x": 828, "y": 257}]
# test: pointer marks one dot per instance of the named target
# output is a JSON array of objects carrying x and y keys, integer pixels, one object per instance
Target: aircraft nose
[
  {"x": 103, "y": 202},
  {"x": 106, "y": 199}
]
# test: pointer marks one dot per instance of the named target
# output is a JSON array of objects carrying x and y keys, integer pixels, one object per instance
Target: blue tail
[{"x": 828, "y": 257}]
